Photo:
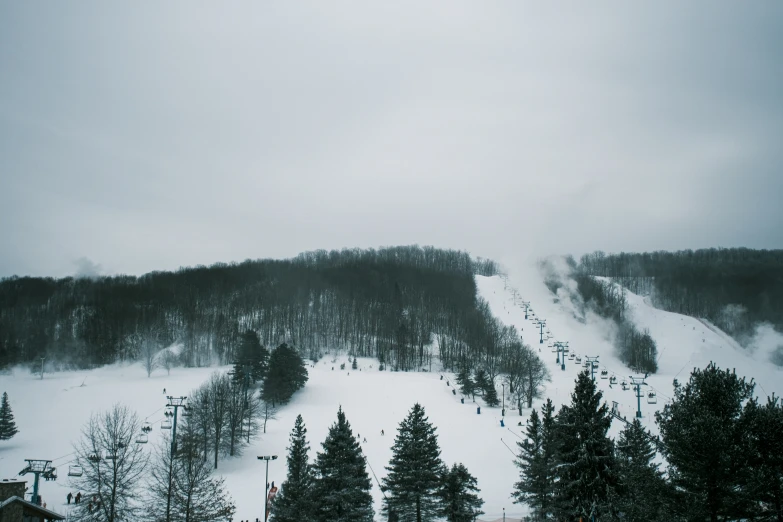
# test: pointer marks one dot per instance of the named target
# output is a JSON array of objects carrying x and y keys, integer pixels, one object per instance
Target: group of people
[{"x": 92, "y": 505}]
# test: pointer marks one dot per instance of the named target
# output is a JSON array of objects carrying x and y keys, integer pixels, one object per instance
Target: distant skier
[
  {"x": 381, "y": 432},
  {"x": 365, "y": 439},
  {"x": 441, "y": 377},
  {"x": 89, "y": 507},
  {"x": 69, "y": 497},
  {"x": 164, "y": 391}
]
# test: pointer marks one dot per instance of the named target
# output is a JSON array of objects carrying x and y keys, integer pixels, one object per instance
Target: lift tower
[{"x": 636, "y": 384}]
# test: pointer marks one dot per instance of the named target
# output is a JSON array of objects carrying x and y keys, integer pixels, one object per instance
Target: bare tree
[
  {"x": 195, "y": 495},
  {"x": 534, "y": 375},
  {"x": 268, "y": 412},
  {"x": 167, "y": 359},
  {"x": 112, "y": 464},
  {"x": 217, "y": 392},
  {"x": 149, "y": 355}
]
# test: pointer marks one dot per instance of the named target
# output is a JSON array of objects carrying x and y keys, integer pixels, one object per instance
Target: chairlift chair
[
  {"x": 111, "y": 456},
  {"x": 50, "y": 474},
  {"x": 142, "y": 438},
  {"x": 75, "y": 471},
  {"x": 612, "y": 380},
  {"x": 165, "y": 424},
  {"x": 652, "y": 398},
  {"x": 572, "y": 356},
  {"x": 95, "y": 457},
  {"x": 604, "y": 374},
  {"x": 146, "y": 427},
  {"x": 578, "y": 360}
]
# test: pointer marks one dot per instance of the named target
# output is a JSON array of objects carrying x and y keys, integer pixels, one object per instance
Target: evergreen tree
[
  {"x": 354, "y": 365},
  {"x": 585, "y": 473},
  {"x": 415, "y": 470},
  {"x": 458, "y": 495},
  {"x": 705, "y": 441},
  {"x": 7, "y": 423},
  {"x": 642, "y": 493},
  {"x": 251, "y": 357},
  {"x": 491, "y": 395},
  {"x": 286, "y": 375},
  {"x": 294, "y": 501},
  {"x": 465, "y": 383},
  {"x": 342, "y": 485},
  {"x": 480, "y": 380},
  {"x": 765, "y": 480},
  {"x": 537, "y": 461}
]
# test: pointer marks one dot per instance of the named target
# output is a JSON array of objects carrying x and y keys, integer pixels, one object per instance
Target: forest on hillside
[
  {"x": 734, "y": 288},
  {"x": 390, "y": 303}
]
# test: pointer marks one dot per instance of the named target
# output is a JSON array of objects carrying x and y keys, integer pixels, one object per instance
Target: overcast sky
[{"x": 150, "y": 135}]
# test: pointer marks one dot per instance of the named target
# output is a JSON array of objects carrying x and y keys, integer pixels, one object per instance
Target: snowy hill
[{"x": 51, "y": 412}]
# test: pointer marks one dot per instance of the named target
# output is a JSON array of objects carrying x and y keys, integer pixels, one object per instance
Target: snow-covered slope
[{"x": 51, "y": 412}]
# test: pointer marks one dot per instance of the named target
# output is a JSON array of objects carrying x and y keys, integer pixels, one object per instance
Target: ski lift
[
  {"x": 142, "y": 438},
  {"x": 95, "y": 457},
  {"x": 50, "y": 474},
  {"x": 604, "y": 374},
  {"x": 652, "y": 398},
  {"x": 165, "y": 424},
  {"x": 578, "y": 360},
  {"x": 572, "y": 356},
  {"x": 612, "y": 380},
  {"x": 146, "y": 427},
  {"x": 111, "y": 456},
  {"x": 75, "y": 471}
]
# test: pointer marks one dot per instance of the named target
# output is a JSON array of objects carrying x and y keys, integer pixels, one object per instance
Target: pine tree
[
  {"x": 764, "y": 484},
  {"x": 705, "y": 440},
  {"x": 415, "y": 470},
  {"x": 251, "y": 356},
  {"x": 465, "y": 383},
  {"x": 7, "y": 423},
  {"x": 355, "y": 364},
  {"x": 585, "y": 474},
  {"x": 491, "y": 395},
  {"x": 537, "y": 459},
  {"x": 480, "y": 380},
  {"x": 294, "y": 502},
  {"x": 286, "y": 375},
  {"x": 458, "y": 495},
  {"x": 642, "y": 493},
  {"x": 342, "y": 485}
]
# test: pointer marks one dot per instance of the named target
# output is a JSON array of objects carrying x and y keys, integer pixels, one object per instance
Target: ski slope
[{"x": 51, "y": 412}]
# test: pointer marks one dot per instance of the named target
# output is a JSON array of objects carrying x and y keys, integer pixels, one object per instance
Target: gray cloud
[{"x": 158, "y": 135}]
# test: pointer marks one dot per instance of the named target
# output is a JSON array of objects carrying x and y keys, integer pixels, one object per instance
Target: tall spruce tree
[
  {"x": 459, "y": 495},
  {"x": 294, "y": 502},
  {"x": 491, "y": 394},
  {"x": 705, "y": 441},
  {"x": 764, "y": 485},
  {"x": 537, "y": 460},
  {"x": 642, "y": 493},
  {"x": 252, "y": 358},
  {"x": 7, "y": 424},
  {"x": 415, "y": 470},
  {"x": 585, "y": 474},
  {"x": 286, "y": 374},
  {"x": 342, "y": 485},
  {"x": 480, "y": 380},
  {"x": 465, "y": 383}
]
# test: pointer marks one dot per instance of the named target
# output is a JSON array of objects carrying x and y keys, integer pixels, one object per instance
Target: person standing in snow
[
  {"x": 381, "y": 432},
  {"x": 164, "y": 391},
  {"x": 78, "y": 497},
  {"x": 69, "y": 497}
]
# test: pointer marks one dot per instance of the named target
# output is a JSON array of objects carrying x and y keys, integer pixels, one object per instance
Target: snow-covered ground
[{"x": 51, "y": 412}]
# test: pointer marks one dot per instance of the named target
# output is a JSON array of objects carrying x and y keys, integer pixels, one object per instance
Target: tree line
[
  {"x": 419, "y": 486},
  {"x": 722, "y": 449},
  {"x": 735, "y": 288},
  {"x": 389, "y": 303}
]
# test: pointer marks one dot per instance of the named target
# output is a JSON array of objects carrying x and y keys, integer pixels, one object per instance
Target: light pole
[{"x": 267, "y": 458}]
